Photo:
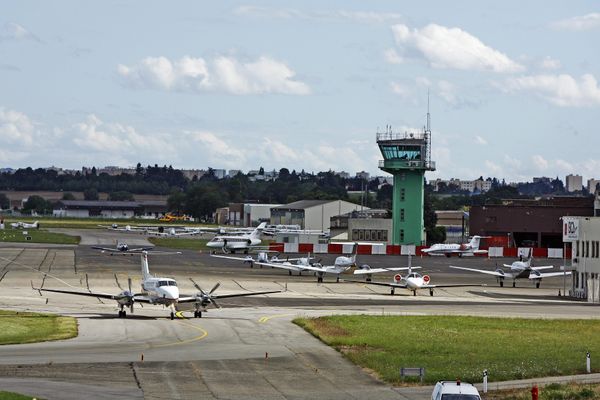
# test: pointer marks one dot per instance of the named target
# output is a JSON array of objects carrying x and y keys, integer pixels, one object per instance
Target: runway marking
[
  {"x": 264, "y": 320},
  {"x": 181, "y": 317}
]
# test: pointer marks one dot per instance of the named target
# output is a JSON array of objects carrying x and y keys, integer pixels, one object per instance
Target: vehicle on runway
[
  {"x": 518, "y": 270},
  {"x": 159, "y": 291},
  {"x": 340, "y": 265},
  {"x": 233, "y": 243},
  {"x": 448, "y": 250},
  {"x": 413, "y": 282},
  {"x": 25, "y": 225}
]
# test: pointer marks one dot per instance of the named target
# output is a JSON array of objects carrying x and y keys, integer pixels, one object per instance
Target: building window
[
  {"x": 402, "y": 214},
  {"x": 361, "y": 235},
  {"x": 402, "y": 235},
  {"x": 491, "y": 219},
  {"x": 379, "y": 235},
  {"x": 587, "y": 248},
  {"x": 367, "y": 234},
  {"x": 402, "y": 194},
  {"x": 354, "y": 234}
]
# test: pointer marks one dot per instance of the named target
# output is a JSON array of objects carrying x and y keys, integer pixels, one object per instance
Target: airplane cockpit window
[
  {"x": 172, "y": 283},
  {"x": 163, "y": 283}
]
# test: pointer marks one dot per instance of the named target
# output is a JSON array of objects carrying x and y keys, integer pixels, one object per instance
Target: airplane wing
[
  {"x": 137, "y": 297},
  {"x": 548, "y": 274},
  {"x": 112, "y": 249},
  {"x": 485, "y": 271},
  {"x": 191, "y": 299},
  {"x": 232, "y": 257},
  {"x": 542, "y": 267},
  {"x": 390, "y": 284},
  {"x": 288, "y": 266},
  {"x": 379, "y": 270},
  {"x": 452, "y": 285}
]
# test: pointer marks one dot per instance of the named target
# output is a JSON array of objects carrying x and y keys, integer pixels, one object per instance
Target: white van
[{"x": 454, "y": 390}]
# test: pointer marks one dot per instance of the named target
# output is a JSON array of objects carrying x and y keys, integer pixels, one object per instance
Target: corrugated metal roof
[
  {"x": 304, "y": 204},
  {"x": 112, "y": 204}
]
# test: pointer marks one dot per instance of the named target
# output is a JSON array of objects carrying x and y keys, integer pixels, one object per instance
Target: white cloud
[
  {"x": 539, "y": 162},
  {"x": 550, "y": 63},
  {"x": 579, "y": 23},
  {"x": 444, "y": 47},
  {"x": 400, "y": 89},
  {"x": 224, "y": 74},
  {"x": 218, "y": 149},
  {"x": 562, "y": 90},
  {"x": 422, "y": 81},
  {"x": 446, "y": 92},
  {"x": 370, "y": 17},
  {"x": 493, "y": 169},
  {"x": 481, "y": 141},
  {"x": 391, "y": 56},
  {"x": 14, "y": 31},
  {"x": 16, "y": 127}
]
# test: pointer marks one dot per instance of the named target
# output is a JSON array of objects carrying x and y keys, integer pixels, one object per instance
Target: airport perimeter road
[{"x": 249, "y": 349}]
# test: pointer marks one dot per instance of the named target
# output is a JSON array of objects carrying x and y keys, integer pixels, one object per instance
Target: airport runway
[{"x": 248, "y": 349}]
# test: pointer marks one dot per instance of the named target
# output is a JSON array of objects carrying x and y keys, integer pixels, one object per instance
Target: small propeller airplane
[
  {"x": 304, "y": 264},
  {"x": 244, "y": 242},
  {"x": 261, "y": 257},
  {"x": 368, "y": 271},
  {"x": 123, "y": 249},
  {"x": 159, "y": 291},
  {"x": 470, "y": 248},
  {"x": 25, "y": 225},
  {"x": 413, "y": 282},
  {"x": 519, "y": 270}
]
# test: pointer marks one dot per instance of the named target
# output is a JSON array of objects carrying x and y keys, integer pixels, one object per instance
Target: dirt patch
[{"x": 325, "y": 328}]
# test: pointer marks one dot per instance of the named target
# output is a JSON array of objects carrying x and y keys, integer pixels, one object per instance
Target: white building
[
  {"x": 311, "y": 214},
  {"x": 574, "y": 183},
  {"x": 584, "y": 235},
  {"x": 591, "y": 185},
  {"x": 254, "y": 214}
]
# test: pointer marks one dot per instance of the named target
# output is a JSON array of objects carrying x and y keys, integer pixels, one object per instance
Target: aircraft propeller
[{"x": 206, "y": 298}]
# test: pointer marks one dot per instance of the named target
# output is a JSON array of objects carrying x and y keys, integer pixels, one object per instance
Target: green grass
[
  {"x": 14, "y": 396},
  {"x": 180, "y": 243},
  {"x": 24, "y": 327},
  {"x": 92, "y": 223},
  {"x": 450, "y": 346},
  {"x": 553, "y": 391},
  {"x": 37, "y": 236}
]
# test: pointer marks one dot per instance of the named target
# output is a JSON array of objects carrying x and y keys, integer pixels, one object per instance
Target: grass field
[
  {"x": 22, "y": 327},
  {"x": 13, "y": 396},
  {"x": 37, "y": 236},
  {"x": 453, "y": 346},
  {"x": 553, "y": 391},
  {"x": 92, "y": 223}
]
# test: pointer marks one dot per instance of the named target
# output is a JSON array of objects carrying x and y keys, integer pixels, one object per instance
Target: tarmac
[{"x": 249, "y": 348}]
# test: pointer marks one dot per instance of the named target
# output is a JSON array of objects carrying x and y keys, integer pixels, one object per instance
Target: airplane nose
[{"x": 171, "y": 293}]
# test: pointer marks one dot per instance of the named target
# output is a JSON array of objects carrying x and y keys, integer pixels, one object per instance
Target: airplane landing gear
[
  {"x": 514, "y": 284},
  {"x": 319, "y": 279},
  {"x": 431, "y": 292},
  {"x": 501, "y": 283},
  {"x": 392, "y": 291},
  {"x": 198, "y": 314},
  {"x": 414, "y": 292},
  {"x": 122, "y": 313},
  {"x": 537, "y": 284},
  {"x": 337, "y": 279},
  {"x": 290, "y": 272},
  {"x": 172, "y": 315}
]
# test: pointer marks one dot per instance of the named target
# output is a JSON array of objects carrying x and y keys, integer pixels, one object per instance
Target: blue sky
[{"x": 305, "y": 85}]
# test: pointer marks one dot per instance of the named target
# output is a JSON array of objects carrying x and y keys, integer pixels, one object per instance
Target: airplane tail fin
[
  {"x": 145, "y": 269},
  {"x": 256, "y": 232},
  {"x": 474, "y": 243}
]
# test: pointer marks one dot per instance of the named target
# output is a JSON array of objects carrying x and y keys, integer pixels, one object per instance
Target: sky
[{"x": 513, "y": 86}]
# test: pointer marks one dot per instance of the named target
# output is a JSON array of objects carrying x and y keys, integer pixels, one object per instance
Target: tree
[
  {"x": 176, "y": 202},
  {"x": 4, "y": 201},
  {"x": 68, "y": 196},
  {"x": 120, "y": 196},
  {"x": 90, "y": 194},
  {"x": 38, "y": 204}
]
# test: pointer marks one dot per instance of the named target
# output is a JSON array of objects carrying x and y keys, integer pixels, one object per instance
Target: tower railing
[
  {"x": 401, "y": 136},
  {"x": 421, "y": 164}
]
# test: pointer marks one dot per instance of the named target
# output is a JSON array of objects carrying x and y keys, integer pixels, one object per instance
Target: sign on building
[{"x": 570, "y": 229}]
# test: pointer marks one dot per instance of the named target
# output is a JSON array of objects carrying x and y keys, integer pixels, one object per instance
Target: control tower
[{"x": 407, "y": 156}]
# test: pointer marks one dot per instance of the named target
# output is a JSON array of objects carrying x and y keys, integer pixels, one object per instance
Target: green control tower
[{"x": 407, "y": 156}]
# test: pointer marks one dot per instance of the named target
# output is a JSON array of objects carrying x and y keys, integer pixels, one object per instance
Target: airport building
[
  {"x": 583, "y": 233},
  {"x": 369, "y": 225},
  {"x": 456, "y": 223},
  {"x": 311, "y": 214},
  {"x": 527, "y": 223},
  {"x": 110, "y": 209},
  {"x": 574, "y": 183}
]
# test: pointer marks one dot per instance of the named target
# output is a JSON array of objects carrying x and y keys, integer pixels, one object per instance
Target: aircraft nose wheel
[
  {"x": 197, "y": 314},
  {"x": 514, "y": 284},
  {"x": 392, "y": 291},
  {"x": 537, "y": 285},
  {"x": 122, "y": 313},
  {"x": 320, "y": 279},
  {"x": 172, "y": 315},
  {"x": 431, "y": 292},
  {"x": 501, "y": 284}
]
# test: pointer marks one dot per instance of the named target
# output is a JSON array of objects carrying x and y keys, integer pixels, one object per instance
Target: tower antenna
[{"x": 428, "y": 115}]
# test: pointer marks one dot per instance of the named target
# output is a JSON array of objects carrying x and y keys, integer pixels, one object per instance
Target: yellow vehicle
[{"x": 174, "y": 218}]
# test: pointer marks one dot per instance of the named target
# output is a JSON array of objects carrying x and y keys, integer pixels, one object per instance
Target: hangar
[
  {"x": 311, "y": 214},
  {"x": 110, "y": 209}
]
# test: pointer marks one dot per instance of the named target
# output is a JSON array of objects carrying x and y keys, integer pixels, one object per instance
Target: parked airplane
[
  {"x": 461, "y": 249},
  {"x": 172, "y": 231},
  {"x": 261, "y": 257},
  {"x": 160, "y": 291},
  {"x": 340, "y": 265},
  {"x": 368, "y": 271},
  {"x": 232, "y": 243},
  {"x": 413, "y": 282},
  {"x": 125, "y": 228},
  {"x": 519, "y": 270},
  {"x": 123, "y": 248},
  {"x": 25, "y": 225}
]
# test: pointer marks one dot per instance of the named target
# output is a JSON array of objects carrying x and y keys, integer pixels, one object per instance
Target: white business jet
[
  {"x": 413, "y": 282},
  {"x": 340, "y": 265},
  {"x": 519, "y": 270},
  {"x": 159, "y": 291},
  {"x": 470, "y": 248},
  {"x": 123, "y": 249},
  {"x": 25, "y": 225},
  {"x": 261, "y": 257},
  {"x": 232, "y": 243},
  {"x": 368, "y": 271}
]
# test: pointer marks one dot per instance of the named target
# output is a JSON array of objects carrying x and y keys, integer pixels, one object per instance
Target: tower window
[
  {"x": 402, "y": 235},
  {"x": 402, "y": 214},
  {"x": 402, "y": 194}
]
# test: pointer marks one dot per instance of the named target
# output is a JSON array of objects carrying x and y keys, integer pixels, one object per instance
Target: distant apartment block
[
  {"x": 592, "y": 184},
  {"x": 574, "y": 183},
  {"x": 478, "y": 185}
]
